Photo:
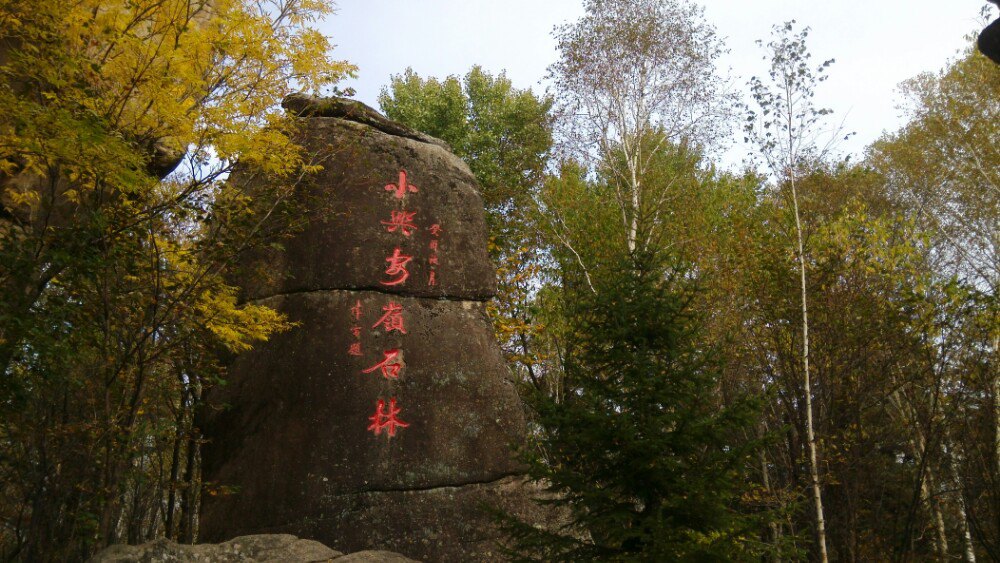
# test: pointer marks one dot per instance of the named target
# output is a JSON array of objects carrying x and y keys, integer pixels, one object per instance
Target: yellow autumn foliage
[
  {"x": 202, "y": 76},
  {"x": 120, "y": 233}
]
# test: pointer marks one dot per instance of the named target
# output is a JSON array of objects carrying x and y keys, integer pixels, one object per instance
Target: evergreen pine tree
[{"x": 638, "y": 448}]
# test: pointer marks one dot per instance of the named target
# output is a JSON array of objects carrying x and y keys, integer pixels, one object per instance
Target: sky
[{"x": 877, "y": 44}]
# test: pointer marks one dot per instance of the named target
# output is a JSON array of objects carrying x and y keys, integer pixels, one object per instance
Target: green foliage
[
  {"x": 644, "y": 296},
  {"x": 504, "y": 135},
  {"x": 115, "y": 302},
  {"x": 941, "y": 170},
  {"x": 944, "y": 166},
  {"x": 648, "y": 464},
  {"x": 501, "y": 132},
  {"x": 624, "y": 95}
]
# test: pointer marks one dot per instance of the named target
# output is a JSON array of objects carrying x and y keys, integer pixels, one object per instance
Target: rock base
[
  {"x": 273, "y": 548},
  {"x": 436, "y": 524}
]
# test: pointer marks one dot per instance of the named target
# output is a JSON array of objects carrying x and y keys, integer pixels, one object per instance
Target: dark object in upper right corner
[{"x": 989, "y": 39}]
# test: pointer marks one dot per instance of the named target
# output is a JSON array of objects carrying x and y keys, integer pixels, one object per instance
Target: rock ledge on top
[{"x": 304, "y": 105}]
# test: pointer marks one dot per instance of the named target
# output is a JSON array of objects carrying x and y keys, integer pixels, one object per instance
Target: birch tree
[
  {"x": 943, "y": 169},
  {"x": 787, "y": 127},
  {"x": 634, "y": 77}
]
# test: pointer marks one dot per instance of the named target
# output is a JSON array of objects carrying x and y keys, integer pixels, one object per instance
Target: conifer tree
[{"x": 637, "y": 448}]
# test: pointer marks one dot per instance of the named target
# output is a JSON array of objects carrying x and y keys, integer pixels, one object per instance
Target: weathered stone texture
[
  {"x": 438, "y": 524},
  {"x": 294, "y": 439},
  {"x": 278, "y": 547},
  {"x": 264, "y": 548},
  {"x": 304, "y": 392},
  {"x": 344, "y": 245}
]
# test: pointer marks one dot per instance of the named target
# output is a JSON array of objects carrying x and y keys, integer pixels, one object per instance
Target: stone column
[{"x": 383, "y": 420}]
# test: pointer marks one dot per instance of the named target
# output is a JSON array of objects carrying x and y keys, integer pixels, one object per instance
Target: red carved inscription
[
  {"x": 389, "y": 366},
  {"x": 397, "y": 267},
  {"x": 402, "y": 187},
  {"x": 386, "y": 420},
  {"x": 392, "y": 320},
  {"x": 401, "y": 221}
]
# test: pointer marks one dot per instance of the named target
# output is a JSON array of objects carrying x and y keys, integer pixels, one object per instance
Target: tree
[
  {"x": 120, "y": 123},
  {"x": 635, "y": 77},
  {"x": 637, "y": 446},
  {"x": 503, "y": 133},
  {"x": 505, "y": 136},
  {"x": 941, "y": 169},
  {"x": 787, "y": 131},
  {"x": 944, "y": 166},
  {"x": 100, "y": 100}
]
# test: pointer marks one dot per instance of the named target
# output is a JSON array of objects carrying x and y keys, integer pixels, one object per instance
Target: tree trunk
[
  {"x": 963, "y": 514},
  {"x": 810, "y": 433},
  {"x": 995, "y": 384},
  {"x": 773, "y": 525},
  {"x": 918, "y": 444},
  {"x": 926, "y": 491},
  {"x": 192, "y": 470},
  {"x": 175, "y": 464}
]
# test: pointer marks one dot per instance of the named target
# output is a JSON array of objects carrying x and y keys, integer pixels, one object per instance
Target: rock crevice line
[
  {"x": 364, "y": 289},
  {"x": 429, "y": 488}
]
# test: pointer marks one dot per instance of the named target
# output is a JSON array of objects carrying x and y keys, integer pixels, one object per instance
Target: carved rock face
[
  {"x": 384, "y": 419},
  {"x": 347, "y": 245}
]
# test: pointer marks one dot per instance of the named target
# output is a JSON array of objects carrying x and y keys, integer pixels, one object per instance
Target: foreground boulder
[
  {"x": 277, "y": 548},
  {"x": 385, "y": 418}
]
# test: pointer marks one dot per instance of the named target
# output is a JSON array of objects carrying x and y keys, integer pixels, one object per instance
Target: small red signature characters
[
  {"x": 401, "y": 221},
  {"x": 387, "y": 421},
  {"x": 402, "y": 187},
  {"x": 435, "y": 231},
  {"x": 390, "y": 365},
  {"x": 355, "y": 347},
  {"x": 397, "y": 267},
  {"x": 392, "y": 320}
]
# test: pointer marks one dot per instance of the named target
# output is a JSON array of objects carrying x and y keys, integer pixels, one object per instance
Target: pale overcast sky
[{"x": 877, "y": 44}]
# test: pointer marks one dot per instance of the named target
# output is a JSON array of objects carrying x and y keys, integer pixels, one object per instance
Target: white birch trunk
[{"x": 810, "y": 434}]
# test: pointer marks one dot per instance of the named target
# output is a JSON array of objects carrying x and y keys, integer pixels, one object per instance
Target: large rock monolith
[{"x": 384, "y": 419}]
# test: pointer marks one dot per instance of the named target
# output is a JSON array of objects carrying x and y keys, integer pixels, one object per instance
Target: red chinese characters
[
  {"x": 432, "y": 262},
  {"x": 401, "y": 221},
  {"x": 397, "y": 272},
  {"x": 386, "y": 419},
  {"x": 355, "y": 348},
  {"x": 390, "y": 366},
  {"x": 402, "y": 188},
  {"x": 392, "y": 320},
  {"x": 397, "y": 267}
]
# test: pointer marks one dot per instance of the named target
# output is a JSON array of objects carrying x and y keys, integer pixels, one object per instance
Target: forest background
[{"x": 797, "y": 359}]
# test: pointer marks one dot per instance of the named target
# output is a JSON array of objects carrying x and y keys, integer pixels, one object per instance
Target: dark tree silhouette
[{"x": 989, "y": 39}]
